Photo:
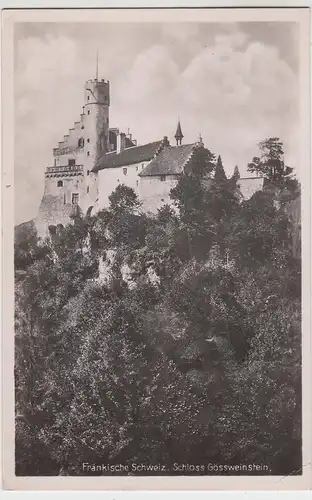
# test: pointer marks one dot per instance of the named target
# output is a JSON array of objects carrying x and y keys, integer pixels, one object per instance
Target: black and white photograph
[{"x": 158, "y": 247}]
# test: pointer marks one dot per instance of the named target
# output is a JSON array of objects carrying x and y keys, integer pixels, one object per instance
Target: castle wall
[
  {"x": 110, "y": 178},
  {"x": 52, "y": 212},
  {"x": 250, "y": 185},
  {"x": 154, "y": 193}
]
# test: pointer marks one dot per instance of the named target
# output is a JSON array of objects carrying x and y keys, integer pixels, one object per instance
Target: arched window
[
  {"x": 89, "y": 211},
  {"x": 81, "y": 142},
  {"x": 59, "y": 184}
]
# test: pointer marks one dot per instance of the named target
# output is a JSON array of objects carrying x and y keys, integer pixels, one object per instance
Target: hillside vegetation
[{"x": 162, "y": 339}]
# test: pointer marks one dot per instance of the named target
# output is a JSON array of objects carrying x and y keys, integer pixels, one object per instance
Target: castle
[{"x": 93, "y": 159}]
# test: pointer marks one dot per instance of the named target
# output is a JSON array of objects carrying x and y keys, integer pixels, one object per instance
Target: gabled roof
[
  {"x": 128, "y": 156},
  {"x": 169, "y": 161}
]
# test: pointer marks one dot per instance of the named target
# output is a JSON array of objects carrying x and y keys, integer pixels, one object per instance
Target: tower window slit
[{"x": 75, "y": 198}]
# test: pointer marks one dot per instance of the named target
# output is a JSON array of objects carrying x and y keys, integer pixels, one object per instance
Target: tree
[
  {"x": 236, "y": 174},
  {"x": 258, "y": 231},
  {"x": 271, "y": 163},
  {"x": 123, "y": 199},
  {"x": 28, "y": 248},
  {"x": 219, "y": 171}
]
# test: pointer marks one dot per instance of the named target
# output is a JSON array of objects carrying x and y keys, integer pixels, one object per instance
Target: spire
[{"x": 178, "y": 135}]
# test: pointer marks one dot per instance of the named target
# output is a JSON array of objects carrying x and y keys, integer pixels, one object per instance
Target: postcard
[{"x": 156, "y": 249}]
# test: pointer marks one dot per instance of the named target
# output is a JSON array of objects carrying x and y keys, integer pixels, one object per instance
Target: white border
[{"x": 217, "y": 14}]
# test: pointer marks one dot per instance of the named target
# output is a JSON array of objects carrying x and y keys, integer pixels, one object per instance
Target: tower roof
[{"x": 178, "y": 135}]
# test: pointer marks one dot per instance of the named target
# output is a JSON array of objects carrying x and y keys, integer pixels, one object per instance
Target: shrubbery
[{"x": 187, "y": 349}]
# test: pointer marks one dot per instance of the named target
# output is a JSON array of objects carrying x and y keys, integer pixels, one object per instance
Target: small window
[
  {"x": 75, "y": 198},
  {"x": 82, "y": 127},
  {"x": 137, "y": 183},
  {"x": 80, "y": 142},
  {"x": 88, "y": 97},
  {"x": 88, "y": 140},
  {"x": 64, "y": 199},
  {"x": 88, "y": 189},
  {"x": 72, "y": 162},
  {"x": 136, "y": 168},
  {"x": 118, "y": 180},
  {"x": 125, "y": 170},
  {"x": 55, "y": 162},
  {"x": 59, "y": 184},
  {"x": 106, "y": 120},
  {"x": 88, "y": 153},
  {"x": 88, "y": 172},
  {"x": 162, "y": 177},
  {"x": 88, "y": 111},
  {"x": 142, "y": 166}
]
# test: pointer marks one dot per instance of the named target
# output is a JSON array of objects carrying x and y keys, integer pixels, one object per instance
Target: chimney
[{"x": 121, "y": 142}]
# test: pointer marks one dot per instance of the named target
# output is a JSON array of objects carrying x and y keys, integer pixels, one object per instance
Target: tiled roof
[
  {"x": 169, "y": 161},
  {"x": 128, "y": 156}
]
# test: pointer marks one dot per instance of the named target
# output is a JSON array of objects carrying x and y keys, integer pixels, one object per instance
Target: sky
[{"x": 234, "y": 83}]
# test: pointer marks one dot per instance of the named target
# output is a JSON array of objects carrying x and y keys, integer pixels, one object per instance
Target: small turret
[{"x": 178, "y": 135}]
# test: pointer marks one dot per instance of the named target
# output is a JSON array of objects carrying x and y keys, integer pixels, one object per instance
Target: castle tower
[
  {"x": 69, "y": 181},
  {"x": 96, "y": 119}
]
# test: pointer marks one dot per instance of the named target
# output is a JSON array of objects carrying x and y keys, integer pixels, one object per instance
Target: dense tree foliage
[
  {"x": 270, "y": 164},
  {"x": 162, "y": 339}
]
